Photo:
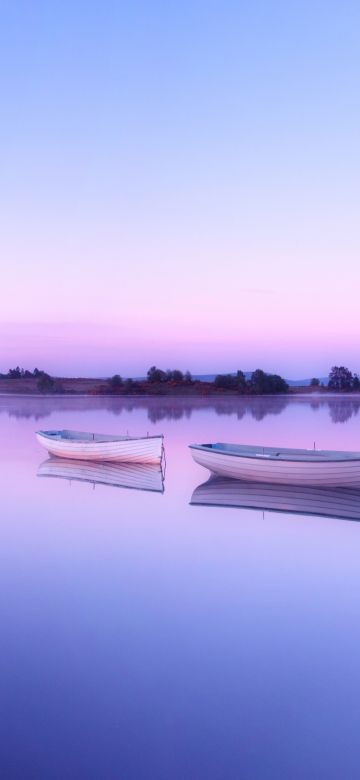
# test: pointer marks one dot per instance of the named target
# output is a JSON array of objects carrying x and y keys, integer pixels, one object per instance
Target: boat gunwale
[
  {"x": 259, "y": 457},
  {"x": 56, "y": 436}
]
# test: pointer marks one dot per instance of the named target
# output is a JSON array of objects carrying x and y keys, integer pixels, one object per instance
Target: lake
[{"x": 145, "y": 637}]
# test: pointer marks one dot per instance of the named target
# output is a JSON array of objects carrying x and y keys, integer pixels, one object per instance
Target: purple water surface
[{"x": 142, "y": 637}]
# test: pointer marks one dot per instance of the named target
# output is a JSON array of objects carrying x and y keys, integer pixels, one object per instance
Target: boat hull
[
  {"x": 141, "y": 450},
  {"x": 342, "y": 473},
  {"x": 337, "y": 502}
]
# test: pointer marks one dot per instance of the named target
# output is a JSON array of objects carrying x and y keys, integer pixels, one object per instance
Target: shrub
[
  {"x": 226, "y": 381},
  {"x": 46, "y": 384},
  {"x": 115, "y": 382}
]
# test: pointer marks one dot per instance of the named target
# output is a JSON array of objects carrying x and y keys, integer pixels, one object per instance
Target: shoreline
[
  {"x": 86, "y": 387},
  {"x": 202, "y": 396}
]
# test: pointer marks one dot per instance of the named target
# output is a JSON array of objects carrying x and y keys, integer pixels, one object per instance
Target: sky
[{"x": 179, "y": 186}]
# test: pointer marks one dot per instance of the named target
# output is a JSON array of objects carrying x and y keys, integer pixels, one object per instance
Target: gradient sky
[{"x": 179, "y": 185}]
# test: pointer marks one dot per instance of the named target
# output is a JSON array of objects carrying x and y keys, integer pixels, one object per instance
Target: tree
[
  {"x": 15, "y": 373},
  {"x": 264, "y": 384},
  {"x": 188, "y": 378},
  {"x": 45, "y": 383},
  {"x": 258, "y": 382},
  {"x": 241, "y": 381},
  {"x": 315, "y": 382},
  {"x": 176, "y": 375},
  {"x": 115, "y": 382},
  {"x": 129, "y": 385},
  {"x": 277, "y": 384},
  {"x": 340, "y": 379},
  {"x": 226, "y": 381},
  {"x": 156, "y": 375},
  {"x": 356, "y": 382},
  {"x": 231, "y": 381}
]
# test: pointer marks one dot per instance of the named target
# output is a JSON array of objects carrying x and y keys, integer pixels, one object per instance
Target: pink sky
[
  {"x": 180, "y": 191},
  {"x": 95, "y": 300}
]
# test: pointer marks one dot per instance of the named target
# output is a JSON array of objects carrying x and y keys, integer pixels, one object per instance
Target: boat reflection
[
  {"x": 137, "y": 476},
  {"x": 342, "y": 503}
]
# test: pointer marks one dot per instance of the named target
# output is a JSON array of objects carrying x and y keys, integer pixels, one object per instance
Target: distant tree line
[
  {"x": 259, "y": 383},
  {"x": 21, "y": 373},
  {"x": 45, "y": 383},
  {"x": 158, "y": 381},
  {"x": 155, "y": 376},
  {"x": 175, "y": 376},
  {"x": 341, "y": 379}
]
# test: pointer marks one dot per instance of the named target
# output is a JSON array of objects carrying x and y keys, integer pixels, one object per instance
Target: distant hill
[{"x": 291, "y": 382}]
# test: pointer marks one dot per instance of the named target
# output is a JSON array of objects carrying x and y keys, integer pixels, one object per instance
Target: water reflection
[
  {"x": 157, "y": 409},
  {"x": 342, "y": 503},
  {"x": 340, "y": 408},
  {"x": 140, "y": 602},
  {"x": 137, "y": 476}
]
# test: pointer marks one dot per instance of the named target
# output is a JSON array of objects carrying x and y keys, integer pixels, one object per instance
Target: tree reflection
[
  {"x": 261, "y": 407},
  {"x": 157, "y": 409},
  {"x": 340, "y": 408}
]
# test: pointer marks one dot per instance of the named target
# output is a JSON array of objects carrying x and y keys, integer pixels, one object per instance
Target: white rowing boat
[
  {"x": 280, "y": 465},
  {"x": 336, "y": 502},
  {"x": 138, "y": 476},
  {"x": 98, "y": 447}
]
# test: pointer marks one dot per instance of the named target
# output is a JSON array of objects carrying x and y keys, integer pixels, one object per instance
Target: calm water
[{"x": 142, "y": 637}]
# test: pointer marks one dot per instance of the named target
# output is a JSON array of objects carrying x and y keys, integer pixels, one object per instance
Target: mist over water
[
  {"x": 340, "y": 407},
  {"x": 144, "y": 637}
]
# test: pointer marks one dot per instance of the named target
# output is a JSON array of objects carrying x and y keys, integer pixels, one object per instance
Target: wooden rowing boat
[
  {"x": 138, "y": 476},
  {"x": 102, "y": 447},
  {"x": 280, "y": 465},
  {"x": 336, "y": 502}
]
